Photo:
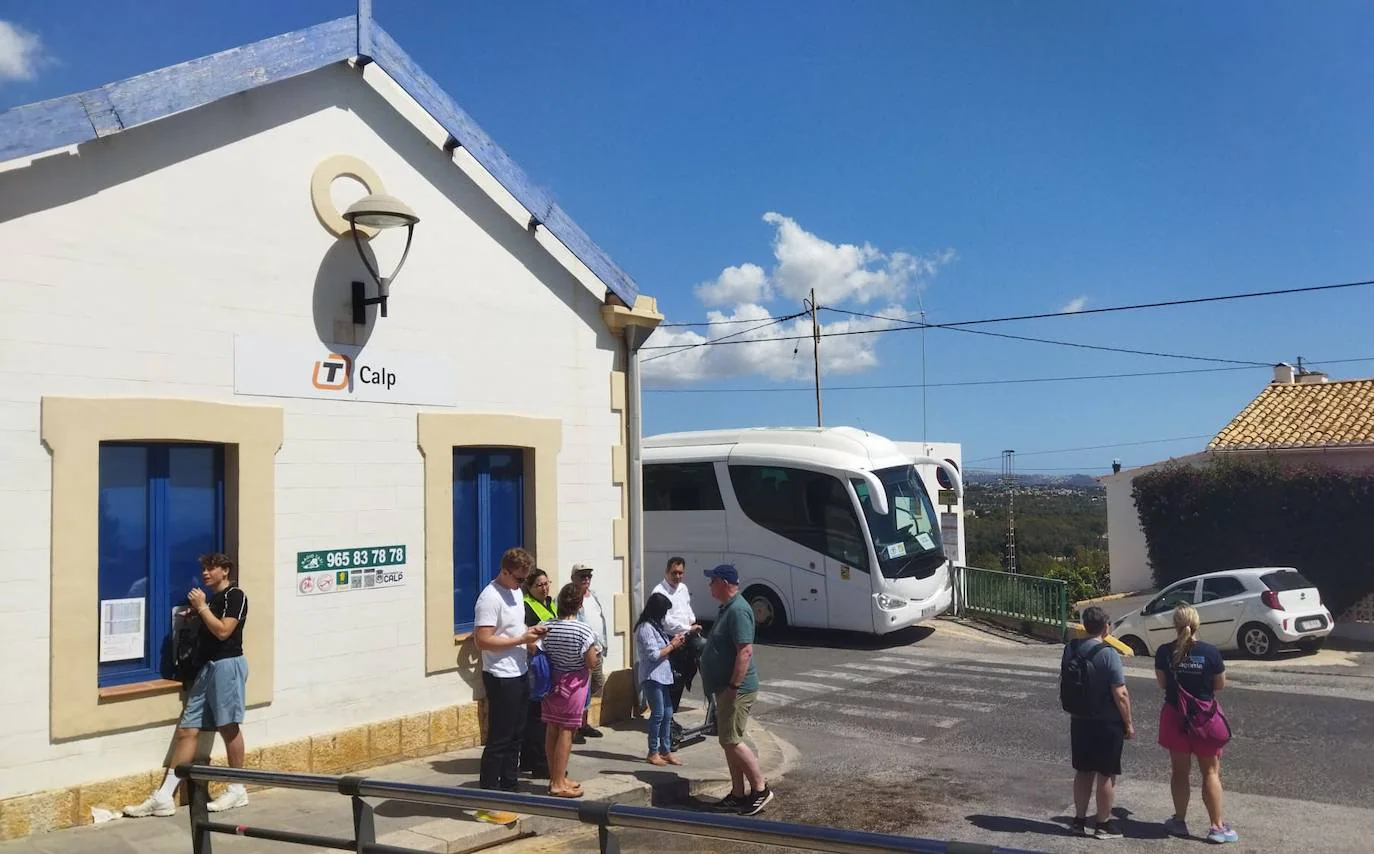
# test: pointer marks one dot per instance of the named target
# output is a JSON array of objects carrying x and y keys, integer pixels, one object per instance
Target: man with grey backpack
[{"x": 1092, "y": 689}]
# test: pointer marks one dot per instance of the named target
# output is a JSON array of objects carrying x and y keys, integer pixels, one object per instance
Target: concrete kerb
[
  {"x": 776, "y": 758},
  {"x": 446, "y": 836}
]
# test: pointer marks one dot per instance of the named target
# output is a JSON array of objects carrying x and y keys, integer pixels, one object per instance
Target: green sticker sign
[{"x": 347, "y": 559}]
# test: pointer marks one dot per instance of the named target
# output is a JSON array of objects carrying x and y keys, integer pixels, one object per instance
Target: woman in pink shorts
[
  {"x": 571, "y": 648},
  {"x": 1198, "y": 667}
]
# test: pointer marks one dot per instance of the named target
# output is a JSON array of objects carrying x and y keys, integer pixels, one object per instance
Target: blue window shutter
[
  {"x": 152, "y": 555},
  {"x": 488, "y": 518}
]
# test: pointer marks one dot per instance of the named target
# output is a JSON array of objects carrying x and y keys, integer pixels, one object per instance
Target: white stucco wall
[{"x": 131, "y": 265}]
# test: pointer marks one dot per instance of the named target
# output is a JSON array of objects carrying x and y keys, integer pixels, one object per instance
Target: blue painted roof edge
[
  {"x": 73, "y": 119},
  {"x": 109, "y": 109}
]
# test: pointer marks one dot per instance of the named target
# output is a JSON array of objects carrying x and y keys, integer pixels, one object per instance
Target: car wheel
[
  {"x": 1311, "y": 646},
  {"x": 1137, "y": 646},
  {"x": 769, "y": 615},
  {"x": 1258, "y": 641}
]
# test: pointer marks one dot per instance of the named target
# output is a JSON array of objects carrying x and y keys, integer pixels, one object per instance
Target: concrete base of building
[{"x": 414, "y": 736}]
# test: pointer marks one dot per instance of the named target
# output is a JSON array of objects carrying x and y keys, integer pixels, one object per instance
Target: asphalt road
[{"x": 953, "y": 734}]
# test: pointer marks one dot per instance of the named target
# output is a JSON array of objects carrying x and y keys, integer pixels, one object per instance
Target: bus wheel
[{"x": 769, "y": 615}]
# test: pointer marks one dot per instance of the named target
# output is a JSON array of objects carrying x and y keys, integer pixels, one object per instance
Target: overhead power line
[
  {"x": 1096, "y": 447},
  {"x": 965, "y": 383},
  {"x": 1044, "y": 315},
  {"x": 682, "y": 348},
  {"x": 1076, "y": 344}
]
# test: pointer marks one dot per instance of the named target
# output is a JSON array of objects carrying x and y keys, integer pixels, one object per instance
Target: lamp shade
[{"x": 380, "y": 211}]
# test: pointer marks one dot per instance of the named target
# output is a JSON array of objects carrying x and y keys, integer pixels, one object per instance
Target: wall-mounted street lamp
[{"x": 377, "y": 211}]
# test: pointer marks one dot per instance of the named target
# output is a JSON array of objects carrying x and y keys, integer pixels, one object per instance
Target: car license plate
[
  {"x": 1309, "y": 625},
  {"x": 927, "y": 612}
]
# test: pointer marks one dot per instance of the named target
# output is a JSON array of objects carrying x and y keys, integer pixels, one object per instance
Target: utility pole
[
  {"x": 810, "y": 306},
  {"x": 1009, "y": 481}
]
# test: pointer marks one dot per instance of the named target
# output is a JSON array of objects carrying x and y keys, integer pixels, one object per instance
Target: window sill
[
  {"x": 460, "y": 637},
  {"x": 150, "y": 688}
]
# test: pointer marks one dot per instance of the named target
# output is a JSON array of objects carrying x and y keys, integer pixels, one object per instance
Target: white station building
[{"x": 194, "y": 358}]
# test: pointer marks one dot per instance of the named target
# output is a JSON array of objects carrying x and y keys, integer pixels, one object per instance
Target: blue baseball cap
[{"x": 725, "y": 572}]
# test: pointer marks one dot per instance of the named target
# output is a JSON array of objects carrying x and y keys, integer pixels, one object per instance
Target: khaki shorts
[
  {"x": 732, "y": 715},
  {"x": 598, "y": 679}
]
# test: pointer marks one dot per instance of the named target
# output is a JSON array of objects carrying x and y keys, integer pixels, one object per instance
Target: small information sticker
[
  {"x": 896, "y": 550},
  {"x": 925, "y": 541},
  {"x": 347, "y": 570},
  {"x": 360, "y": 558}
]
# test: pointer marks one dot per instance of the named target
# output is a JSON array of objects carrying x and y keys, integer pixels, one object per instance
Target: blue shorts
[{"x": 216, "y": 697}]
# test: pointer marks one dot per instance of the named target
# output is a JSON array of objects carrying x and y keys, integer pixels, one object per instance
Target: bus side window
[{"x": 681, "y": 486}]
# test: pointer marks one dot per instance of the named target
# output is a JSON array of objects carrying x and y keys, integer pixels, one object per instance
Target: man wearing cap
[
  {"x": 728, "y": 675},
  {"x": 594, "y": 616}
]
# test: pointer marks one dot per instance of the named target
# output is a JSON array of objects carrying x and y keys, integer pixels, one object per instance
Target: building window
[
  {"x": 681, "y": 486},
  {"x": 161, "y": 507},
  {"x": 488, "y": 518},
  {"x": 806, "y": 507}
]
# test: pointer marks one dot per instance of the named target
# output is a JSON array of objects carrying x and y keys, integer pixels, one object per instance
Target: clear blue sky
[{"x": 1109, "y": 153}]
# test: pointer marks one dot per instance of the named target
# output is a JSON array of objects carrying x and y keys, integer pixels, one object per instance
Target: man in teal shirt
[{"x": 728, "y": 675}]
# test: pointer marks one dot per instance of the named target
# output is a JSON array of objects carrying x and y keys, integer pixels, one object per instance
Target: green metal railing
[{"x": 1029, "y": 598}]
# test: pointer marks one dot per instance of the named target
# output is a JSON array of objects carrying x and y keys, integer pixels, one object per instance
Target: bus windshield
[{"x": 907, "y": 539}]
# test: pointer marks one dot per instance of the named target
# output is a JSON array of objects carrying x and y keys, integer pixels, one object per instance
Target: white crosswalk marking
[
  {"x": 773, "y": 698},
  {"x": 878, "y": 668},
  {"x": 812, "y": 687},
  {"x": 877, "y": 713},
  {"x": 842, "y": 676}
]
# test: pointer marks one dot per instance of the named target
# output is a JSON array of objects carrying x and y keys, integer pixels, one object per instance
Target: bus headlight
[{"x": 891, "y": 603}]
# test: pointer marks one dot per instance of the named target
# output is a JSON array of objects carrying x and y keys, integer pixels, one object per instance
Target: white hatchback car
[{"x": 1258, "y": 611}]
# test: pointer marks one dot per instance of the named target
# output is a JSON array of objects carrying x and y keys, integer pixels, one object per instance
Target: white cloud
[
  {"x": 1075, "y": 305},
  {"x": 776, "y": 360},
  {"x": 842, "y": 274},
  {"x": 747, "y": 283},
  {"x": 21, "y": 52}
]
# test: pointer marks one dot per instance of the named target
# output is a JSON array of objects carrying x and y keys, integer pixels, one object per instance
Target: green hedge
[{"x": 1234, "y": 513}]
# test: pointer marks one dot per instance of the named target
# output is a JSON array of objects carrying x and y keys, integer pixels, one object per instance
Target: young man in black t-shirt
[{"x": 216, "y": 698}]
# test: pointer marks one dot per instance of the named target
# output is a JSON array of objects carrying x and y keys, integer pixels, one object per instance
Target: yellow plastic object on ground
[{"x": 1076, "y": 630}]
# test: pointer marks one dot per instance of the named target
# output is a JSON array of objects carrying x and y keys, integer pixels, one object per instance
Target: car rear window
[{"x": 1290, "y": 580}]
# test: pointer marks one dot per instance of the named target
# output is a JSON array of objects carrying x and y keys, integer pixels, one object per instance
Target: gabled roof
[
  {"x": 73, "y": 119},
  {"x": 1303, "y": 415}
]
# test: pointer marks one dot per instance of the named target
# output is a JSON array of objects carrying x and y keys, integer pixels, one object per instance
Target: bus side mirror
[
  {"x": 954, "y": 477},
  {"x": 877, "y": 495}
]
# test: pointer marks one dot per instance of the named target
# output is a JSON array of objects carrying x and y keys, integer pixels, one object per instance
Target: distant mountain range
[{"x": 1067, "y": 481}]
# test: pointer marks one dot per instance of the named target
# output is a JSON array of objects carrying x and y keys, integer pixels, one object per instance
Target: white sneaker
[
  {"x": 231, "y": 799},
  {"x": 161, "y": 807}
]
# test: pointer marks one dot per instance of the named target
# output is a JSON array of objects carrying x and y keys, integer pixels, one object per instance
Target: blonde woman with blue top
[{"x": 656, "y": 676}]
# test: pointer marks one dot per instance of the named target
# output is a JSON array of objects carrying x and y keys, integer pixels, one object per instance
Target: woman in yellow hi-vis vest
[{"x": 538, "y": 609}]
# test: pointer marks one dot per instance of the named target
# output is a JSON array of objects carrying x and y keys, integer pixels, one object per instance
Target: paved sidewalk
[{"x": 611, "y": 768}]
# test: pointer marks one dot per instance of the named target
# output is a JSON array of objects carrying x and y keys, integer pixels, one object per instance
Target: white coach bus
[{"x": 829, "y": 528}]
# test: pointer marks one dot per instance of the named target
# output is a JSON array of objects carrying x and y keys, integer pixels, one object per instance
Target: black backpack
[
  {"x": 1076, "y": 684},
  {"x": 183, "y": 659}
]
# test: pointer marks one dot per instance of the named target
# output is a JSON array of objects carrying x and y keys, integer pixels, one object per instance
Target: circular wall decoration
[{"x": 329, "y": 170}]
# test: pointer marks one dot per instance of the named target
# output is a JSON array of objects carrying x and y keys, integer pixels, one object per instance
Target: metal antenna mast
[{"x": 1009, "y": 483}]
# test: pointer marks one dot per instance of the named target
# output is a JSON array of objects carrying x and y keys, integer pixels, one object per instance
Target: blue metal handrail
[{"x": 604, "y": 816}]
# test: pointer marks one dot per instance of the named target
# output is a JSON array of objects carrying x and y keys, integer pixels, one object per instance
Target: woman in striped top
[{"x": 571, "y": 648}]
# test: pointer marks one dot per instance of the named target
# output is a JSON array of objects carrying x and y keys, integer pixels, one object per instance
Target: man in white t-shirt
[
  {"x": 505, "y": 643},
  {"x": 681, "y": 619}
]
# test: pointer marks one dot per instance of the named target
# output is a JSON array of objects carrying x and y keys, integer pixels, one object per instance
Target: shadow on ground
[{"x": 1059, "y": 825}]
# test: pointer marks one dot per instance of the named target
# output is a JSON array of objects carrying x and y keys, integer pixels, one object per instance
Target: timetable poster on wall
[{"x": 349, "y": 570}]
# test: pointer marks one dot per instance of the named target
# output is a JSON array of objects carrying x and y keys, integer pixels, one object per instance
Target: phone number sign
[{"x": 345, "y": 570}]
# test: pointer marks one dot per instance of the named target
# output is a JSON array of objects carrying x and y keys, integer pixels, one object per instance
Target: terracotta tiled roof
[{"x": 1303, "y": 415}]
